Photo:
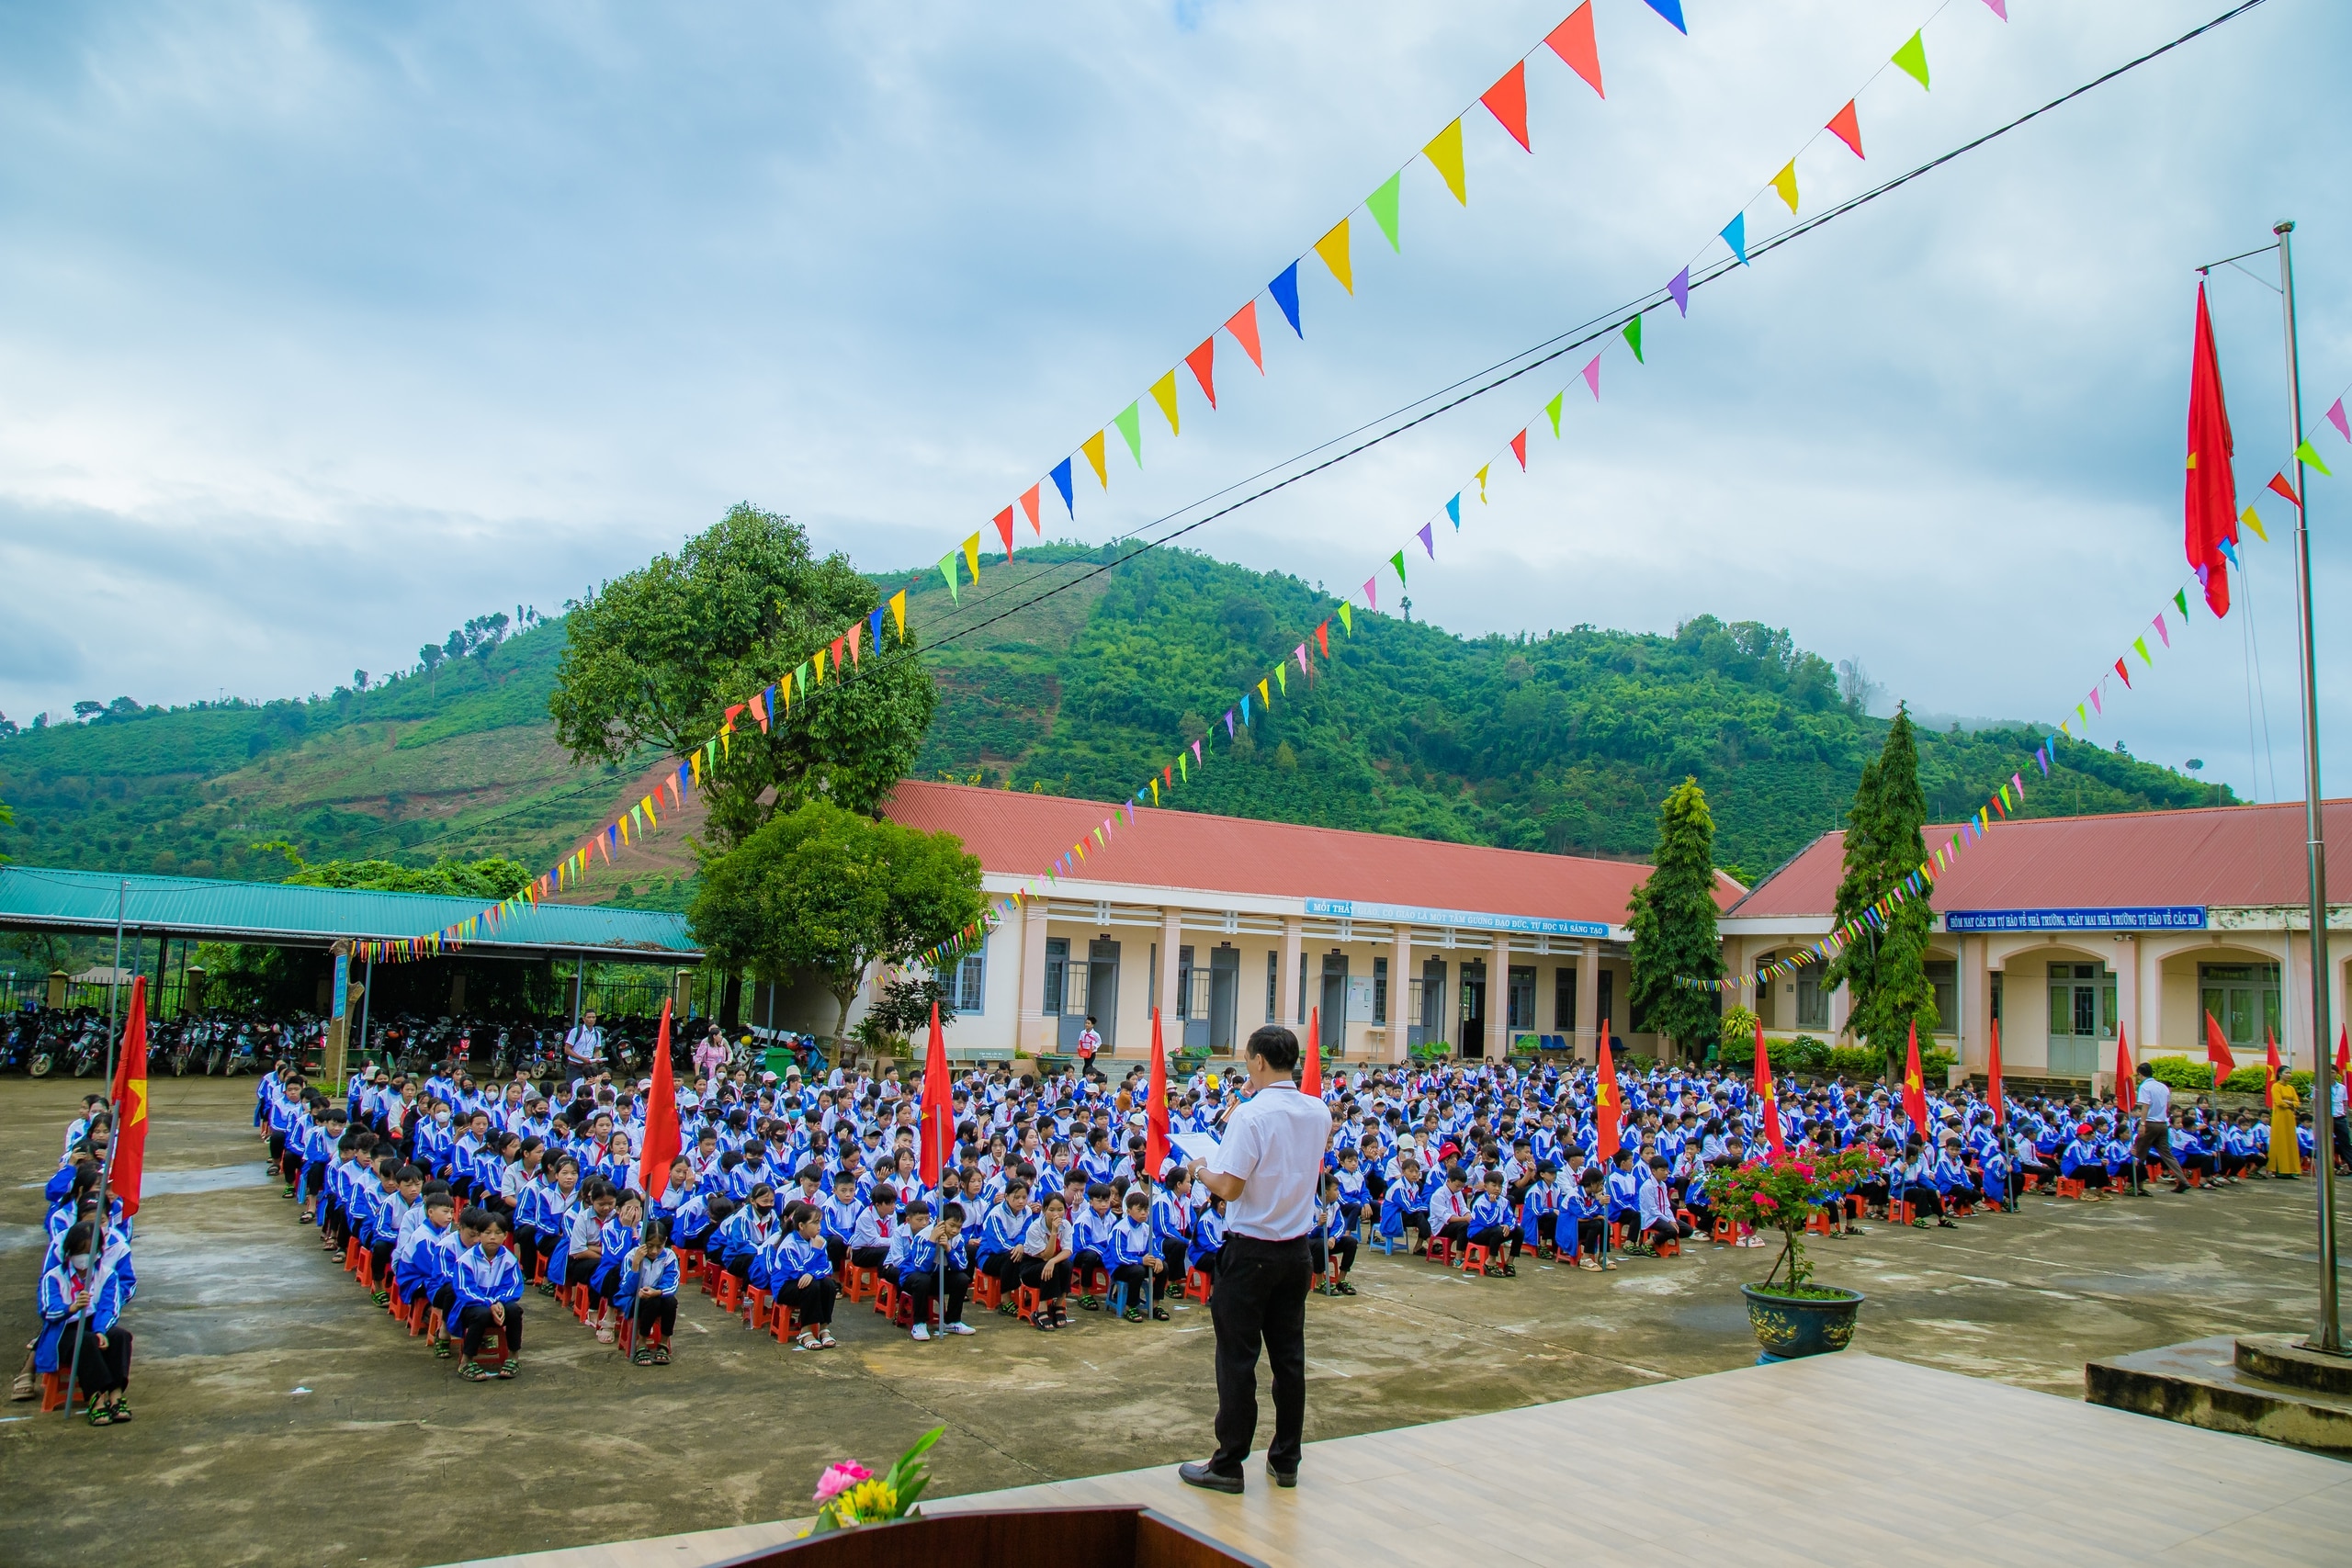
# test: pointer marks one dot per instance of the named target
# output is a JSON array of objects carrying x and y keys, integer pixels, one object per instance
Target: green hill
[{"x": 1564, "y": 742}]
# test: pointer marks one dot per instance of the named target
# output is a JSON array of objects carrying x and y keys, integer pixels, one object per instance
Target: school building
[
  {"x": 2067, "y": 930},
  {"x": 1225, "y": 924}
]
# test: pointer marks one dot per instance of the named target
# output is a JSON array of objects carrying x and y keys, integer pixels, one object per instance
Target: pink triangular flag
[
  {"x": 2336, "y": 417},
  {"x": 1371, "y": 592},
  {"x": 2160, "y": 630},
  {"x": 2000, "y": 9},
  {"x": 1592, "y": 376}
]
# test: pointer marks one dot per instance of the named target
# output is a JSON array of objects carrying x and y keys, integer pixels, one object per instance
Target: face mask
[
  {"x": 441, "y": 1120},
  {"x": 79, "y": 1261}
]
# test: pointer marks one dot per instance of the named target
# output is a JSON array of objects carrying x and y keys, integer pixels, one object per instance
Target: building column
[
  {"x": 2125, "y": 963},
  {"x": 1171, "y": 1030},
  {"x": 1400, "y": 991},
  {"x": 1498, "y": 998},
  {"x": 1294, "y": 939},
  {"x": 1976, "y": 1002},
  {"x": 1588, "y": 1044},
  {"x": 1841, "y": 1007},
  {"x": 1033, "y": 1031}
]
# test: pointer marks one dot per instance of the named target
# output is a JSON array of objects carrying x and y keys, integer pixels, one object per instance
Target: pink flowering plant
[
  {"x": 849, "y": 1494},
  {"x": 1780, "y": 1193}
]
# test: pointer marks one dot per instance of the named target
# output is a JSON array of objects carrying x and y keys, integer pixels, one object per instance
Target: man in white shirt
[
  {"x": 1265, "y": 1167},
  {"x": 2154, "y": 1139},
  {"x": 585, "y": 1042}
]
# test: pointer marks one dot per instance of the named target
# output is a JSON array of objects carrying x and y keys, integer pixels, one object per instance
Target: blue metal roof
[{"x": 39, "y": 898}]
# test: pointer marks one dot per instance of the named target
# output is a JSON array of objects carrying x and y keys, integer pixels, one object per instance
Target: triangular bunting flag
[
  {"x": 1847, "y": 128},
  {"x": 1371, "y": 594},
  {"x": 1164, "y": 393},
  {"x": 1092, "y": 447},
  {"x": 1397, "y": 560},
  {"x": 1347, "y": 619},
  {"x": 948, "y": 570},
  {"x": 2254, "y": 522},
  {"x": 1454, "y": 510},
  {"x": 1673, "y": 11},
  {"x": 971, "y": 559},
  {"x": 1592, "y": 378},
  {"x": 1334, "y": 248},
  {"x": 1004, "y": 528},
  {"x": 898, "y": 612},
  {"x": 1573, "y": 42},
  {"x": 1444, "y": 152},
  {"x": 1481, "y": 477},
  {"x": 1202, "y": 362},
  {"x": 1060, "y": 476},
  {"x": 1785, "y": 182},
  {"x": 2140, "y": 644},
  {"x": 1553, "y": 410},
  {"x": 2279, "y": 482},
  {"x": 1285, "y": 288},
  {"x": 1519, "y": 447},
  {"x": 1029, "y": 509},
  {"x": 1243, "y": 325},
  {"x": 1382, "y": 205},
  {"x": 1633, "y": 339},
  {"x": 1912, "y": 59},
  {"x": 1506, "y": 101},
  {"x": 2164, "y": 634},
  {"x": 1736, "y": 235},
  {"x": 1679, "y": 289},
  {"x": 2305, "y": 452},
  {"x": 1130, "y": 427},
  {"x": 1428, "y": 542},
  {"x": 2336, "y": 417},
  {"x": 2121, "y": 671}
]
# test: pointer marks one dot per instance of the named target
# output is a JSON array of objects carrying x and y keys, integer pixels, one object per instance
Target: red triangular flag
[
  {"x": 2121, "y": 670},
  {"x": 1915, "y": 1089},
  {"x": 1518, "y": 449},
  {"x": 1769, "y": 1095},
  {"x": 1155, "y": 1124},
  {"x": 938, "y": 1106},
  {"x": 129, "y": 1096},
  {"x": 2127, "y": 1095},
  {"x": 1311, "y": 1080},
  {"x": 2279, "y": 482},
  {"x": 1993, "y": 1094},
  {"x": 1507, "y": 100},
  {"x": 1606, "y": 1111},
  {"x": 2210, "y": 512},
  {"x": 661, "y": 1141},
  {"x": 1847, "y": 128},
  {"x": 2271, "y": 1067},
  {"x": 1029, "y": 506},
  {"x": 2217, "y": 1051},
  {"x": 1323, "y": 637},
  {"x": 1204, "y": 362},
  {"x": 1243, "y": 325},
  {"x": 1004, "y": 530},
  {"x": 2342, "y": 1055},
  {"x": 1573, "y": 42}
]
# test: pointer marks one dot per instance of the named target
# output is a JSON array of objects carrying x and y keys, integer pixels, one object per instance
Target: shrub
[
  {"x": 2187, "y": 1072},
  {"x": 1778, "y": 1194},
  {"x": 1738, "y": 1031},
  {"x": 1857, "y": 1061},
  {"x": 2255, "y": 1079}
]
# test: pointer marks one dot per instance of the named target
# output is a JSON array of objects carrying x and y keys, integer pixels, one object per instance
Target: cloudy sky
[{"x": 325, "y": 327}]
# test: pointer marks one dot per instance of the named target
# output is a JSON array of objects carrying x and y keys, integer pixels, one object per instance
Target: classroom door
[
  {"x": 1225, "y": 996},
  {"x": 1334, "y": 1018},
  {"x": 1473, "y": 1008},
  {"x": 2082, "y": 1018},
  {"x": 1102, "y": 991}
]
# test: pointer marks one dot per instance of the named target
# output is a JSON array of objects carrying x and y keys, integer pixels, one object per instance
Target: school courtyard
[{"x": 282, "y": 1419}]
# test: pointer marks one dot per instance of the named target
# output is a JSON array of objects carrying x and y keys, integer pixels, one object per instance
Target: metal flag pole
[
  {"x": 106, "y": 1159},
  {"x": 2329, "y": 1333}
]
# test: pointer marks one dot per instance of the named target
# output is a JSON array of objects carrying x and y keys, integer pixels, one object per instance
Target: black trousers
[
  {"x": 923, "y": 1287},
  {"x": 1261, "y": 1302},
  {"x": 654, "y": 1312},
  {"x": 1053, "y": 1285},
  {"x": 95, "y": 1368},
  {"x": 475, "y": 1325},
  {"x": 1320, "y": 1253},
  {"x": 815, "y": 1302}
]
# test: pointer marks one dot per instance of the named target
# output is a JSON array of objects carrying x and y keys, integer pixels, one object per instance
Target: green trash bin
[{"x": 780, "y": 1061}]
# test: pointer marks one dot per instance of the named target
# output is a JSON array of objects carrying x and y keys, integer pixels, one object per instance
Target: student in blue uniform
[
  {"x": 81, "y": 1300},
  {"x": 1333, "y": 1253},
  {"x": 1135, "y": 1261},
  {"x": 919, "y": 1268},
  {"x": 488, "y": 1289},
  {"x": 1045, "y": 1261},
  {"x": 649, "y": 1295},
  {"x": 801, "y": 1277},
  {"x": 1490, "y": 1226}
]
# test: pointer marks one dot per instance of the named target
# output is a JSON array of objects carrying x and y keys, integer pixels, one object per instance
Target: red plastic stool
[
  {"x": 1197, "y": 1284},
  {"x": 1475, "y": 1258}
]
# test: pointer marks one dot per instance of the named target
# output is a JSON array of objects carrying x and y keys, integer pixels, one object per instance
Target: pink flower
[
  {"x": 1766, "y": 1202},
  {"x": 1804, "y": 1170},
  {"x": 840, "y": 1478}
]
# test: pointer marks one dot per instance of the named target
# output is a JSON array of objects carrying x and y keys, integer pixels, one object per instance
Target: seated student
[
  {"x": 801, "y": 1278},
  {"x": 1914, "y": 1180},
  {"x": 837, "y": 1219},
  {"x": 406, "y": 1186},
  {"x": 1622, "y": 1187},
  {"x": 747, "y": 1230},
  {"x": 544, "y": 1217},
  {"x": 2193, "y": 1153},
  {"x": 584, "y": 1244},
  {"x": 488, "y": 1290},
  {"x": 1657, "y": 1219},
  {"x": 1355, "y": 1187},
  {"x": 1539, "y": 1213},
  {"x": 877, "y": 1229},
  {"x": 1490, "y": 1226},
  {"x": 80, "y": 1300},
  {"x": 999, "y": 1252},
  {"x": 648, "y": 1297},
  {"x": 420, "y": 1259},
  {"x": 920, "y": 1269},
  {"x": 1092, "y": 1227},
  {"x": 1044, "y": 1259},
  {"x": 1952, "y": 1182},
  {"x": 1171, "y": 1226},
  {"x": 1135, "y": 1261},
  {"x": 1450, "y": 1209},
  {"x": 1333, "y": 1252},
  {"x": 1695, "y": 1197},
  {"x": 1587, "y": 1208}
]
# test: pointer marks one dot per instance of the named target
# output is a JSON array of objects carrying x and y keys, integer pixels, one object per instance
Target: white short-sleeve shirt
[{"x": 1274, "y": 1141}]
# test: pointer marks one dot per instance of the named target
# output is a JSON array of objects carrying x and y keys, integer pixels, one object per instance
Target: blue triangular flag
[
  {"x": 1285, "y": 288},
  {"x": 1678, "y": 285},
  {"x": 874, "y": 621},
  {"x": 1454, "y": 510},
  {"x": 1061, "y": 483},
  {"x": 1673, "y": 11},
  {"x": 1736, "y": 236},
  {"x": 2230, "y": 550}
]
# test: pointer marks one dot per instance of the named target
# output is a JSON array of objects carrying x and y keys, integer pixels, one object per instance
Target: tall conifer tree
[
  {"x": 1675, "y": 948},
  {"x": 1884, "y": 967}
]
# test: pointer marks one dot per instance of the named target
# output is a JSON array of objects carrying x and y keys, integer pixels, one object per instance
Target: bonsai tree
[{"x": 1780, "y": 1193}]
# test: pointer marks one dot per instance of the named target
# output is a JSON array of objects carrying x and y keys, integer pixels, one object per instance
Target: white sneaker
[
  {"x": 958, "y": 1327},
  {"x": 922, "y": 1331}
]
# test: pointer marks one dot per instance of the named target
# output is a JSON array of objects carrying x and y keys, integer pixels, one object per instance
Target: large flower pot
[
  {"x": 1790, "y": 1327},
  {"x": 1120, "y": 1535}
]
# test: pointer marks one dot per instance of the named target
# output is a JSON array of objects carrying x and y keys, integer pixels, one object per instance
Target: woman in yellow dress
[{"x": 2286, "y": 1154}]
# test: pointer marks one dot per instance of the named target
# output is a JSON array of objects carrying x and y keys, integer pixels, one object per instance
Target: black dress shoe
[
  {"x": 1200, "y": 1474},
  {"x": 1283, "y": 1478}
]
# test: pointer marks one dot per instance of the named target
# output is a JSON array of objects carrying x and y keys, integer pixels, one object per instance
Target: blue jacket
[
  {"x": 482, "y": 1275},
  {"x": 110, "y": 1287}
]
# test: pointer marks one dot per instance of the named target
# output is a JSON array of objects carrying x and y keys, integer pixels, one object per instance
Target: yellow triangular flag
[
  {"x": 1164, "y": 393},
  {"x": 898, "y": 612},
  {"x": 2251, "y": 521},
  {"x": 971, "y": 559},
  {"x": 1482, "y": 485},
  {"x": 1263, "y": 696},
  {"x": 1444, "y": 154},
  {"x": 1092, "y": 447},
  {"x": 1334, "y": 248},
  {"x": 1785, "y": 182}
]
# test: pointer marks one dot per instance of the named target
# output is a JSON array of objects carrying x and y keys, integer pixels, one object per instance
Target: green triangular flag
[
  {"x": 948, "y": 570},
  {"x": 2306, "y": 454},
  {"x": 1130, "y": 424},
  {"x": 1633, "y": 339},
  {"x": 1346, "y": 618},
  {"x": 1553, "y": 408},
  {"x": 1282, "y": 678},
  {"x": 1382, "y": 205},
  {"x": 2180, "y": 600},
  {"x": 1912, "y": 59},
  {"x": 1397, "y": 560}
]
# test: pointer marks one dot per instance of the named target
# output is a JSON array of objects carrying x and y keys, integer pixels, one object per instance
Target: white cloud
[{"x": 320, "y": 330}]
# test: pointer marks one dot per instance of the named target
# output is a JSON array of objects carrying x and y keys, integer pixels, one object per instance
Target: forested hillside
[{"x": 1564, "y": 741}]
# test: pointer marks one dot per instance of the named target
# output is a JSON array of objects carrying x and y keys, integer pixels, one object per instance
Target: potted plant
[
  {"x": 1790, "y": 1315},
  {"x": 849, "y": 1494}
]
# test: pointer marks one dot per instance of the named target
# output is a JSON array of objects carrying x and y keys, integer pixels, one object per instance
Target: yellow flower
[{"x": 868, "y": 1501}]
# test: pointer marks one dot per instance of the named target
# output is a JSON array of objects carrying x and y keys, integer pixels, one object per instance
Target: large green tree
[
  {"x": 1884, "y": 967},
  {"x": 658, "y": 656},
  {"x": 825, "y": 890},
  {"x": 1676, "y": 951}
]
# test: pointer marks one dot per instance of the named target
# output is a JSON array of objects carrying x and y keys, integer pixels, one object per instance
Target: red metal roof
[
  {"x": 2227, "y": 855},
  {"x": 1022, "y": 835}
]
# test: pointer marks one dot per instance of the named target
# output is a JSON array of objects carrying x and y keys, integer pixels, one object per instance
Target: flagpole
[
  {"x": 2329, "y": 1334},
  {"x": 114, "y": 1127}
]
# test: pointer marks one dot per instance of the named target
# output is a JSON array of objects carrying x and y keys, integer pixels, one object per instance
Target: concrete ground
[{"x": 280, "y": 1418}]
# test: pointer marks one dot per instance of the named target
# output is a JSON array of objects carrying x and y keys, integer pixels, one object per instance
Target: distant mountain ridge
[{"x": 1565, "y": 741}]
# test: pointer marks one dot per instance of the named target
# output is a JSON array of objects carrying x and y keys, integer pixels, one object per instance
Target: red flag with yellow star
[
  {"x": 1606, "y": 1110},
  {"x": 1915, "y": 1089},
  {"x": 131, "y": 1104},
  {"x": 1768, "y": 1096}
]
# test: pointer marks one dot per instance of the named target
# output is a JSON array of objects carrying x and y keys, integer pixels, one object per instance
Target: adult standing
[
  {"x": 2286, "y": 1109},
  {"x": 584, "y": 1045},
  {"x": 1265, "y": 1169},
  {"x": 2154, "y": 1139},
  {"x": 710, "y": 1056}
]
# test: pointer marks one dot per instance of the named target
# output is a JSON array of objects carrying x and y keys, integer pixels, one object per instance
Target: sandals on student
[
  {"x": 99, "y": 1414},
  {"x": 643, "y": 1356},
  {"x": 472, "y": 1372},
  {"x": 1160, "y": 1314},
  {"x": 1591, "y": 1263},
  {"x": 441, "y": 1350},
  {"x": 603, "y": 1336},
  {"x": 1345, "y": 1289},
  {"x": 1133, "y": 1315},
  {"x": 508, "y": 1368},
  {"x": 122, "y": 1410},
  {"x": 1042, "y": 1324},
  {"x": 825, "y": 1340},
  {"x": 1510, "y": 1272},
  {"x": 22, "y": 1388}
]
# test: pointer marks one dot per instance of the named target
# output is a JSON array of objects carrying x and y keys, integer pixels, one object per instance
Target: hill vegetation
[{"x": 1565, "y": 741}]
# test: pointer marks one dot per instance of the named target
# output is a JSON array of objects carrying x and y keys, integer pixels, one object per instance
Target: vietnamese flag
[
  {"x": 1606, "y": 1112},
  {"x": 2210, "y": 511},
  {"x": 2217, "y": 1051},
  {"x": 1915, "y": 1089},
  {"x": 661, "y": 1144},
  {"x": 2127, "y": 1099},
  {"x": 1311, "y": 1080},
  {"x": 1767, "y": 1095},
  {"x": 2270, "y": 1069},
  {"x": 938, "y": 1106},
  {"x": 1154, "y": 1119},
  {"x": 1993, "y": 1079},
  {"x": 2342, "y": 1055},
  {"x": 129, "y": 1160}
]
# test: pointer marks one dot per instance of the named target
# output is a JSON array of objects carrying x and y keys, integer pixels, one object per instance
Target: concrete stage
[{"x": 1834, "y": 1460}]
